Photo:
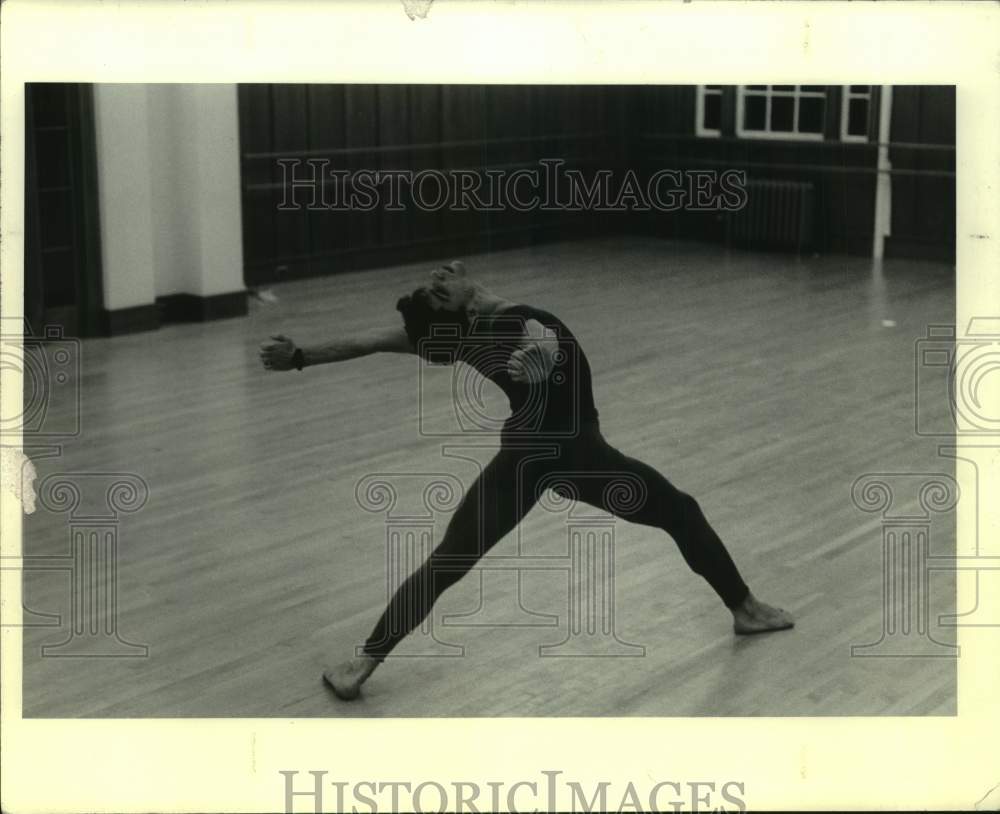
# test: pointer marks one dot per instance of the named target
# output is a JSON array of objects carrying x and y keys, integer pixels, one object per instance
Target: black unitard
[{"x": 551, "y": 440}]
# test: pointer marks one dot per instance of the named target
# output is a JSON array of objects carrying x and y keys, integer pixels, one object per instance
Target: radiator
[{"x": 778, "y": 214}]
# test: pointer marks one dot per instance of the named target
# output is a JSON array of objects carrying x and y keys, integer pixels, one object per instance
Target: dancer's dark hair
[{"x": 435, "y": 335}]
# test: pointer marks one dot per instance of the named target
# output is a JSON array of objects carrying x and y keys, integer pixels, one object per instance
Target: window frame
[
  {"x": 699, "y": 112},
  {"x": 845, "y": 108},
  {"x": 782, "y": 135}
]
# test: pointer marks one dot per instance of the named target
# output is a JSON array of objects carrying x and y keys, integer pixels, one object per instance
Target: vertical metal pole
[{"x": 883, "y": 184}]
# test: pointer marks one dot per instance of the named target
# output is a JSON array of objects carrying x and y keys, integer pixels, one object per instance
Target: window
[
  {"x": 781, "y": 111},
  {"x": 855, "y": 113},
  {"x": 708, "y": 113}
]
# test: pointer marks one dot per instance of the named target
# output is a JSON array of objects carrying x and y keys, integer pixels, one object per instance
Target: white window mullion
[
  {"x": 845, "y": 113},
  {"x": 701, "y": 96},
  {"x": 768, "y": 94}
]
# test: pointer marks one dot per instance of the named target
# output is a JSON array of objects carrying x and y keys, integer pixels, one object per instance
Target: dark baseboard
[
  {"x": 193, "y": 308},
  {"x": 854, "y": 243},
  {"x": 65, "y": 318},
  {"x": 378, "y": 255},
  {"x": 129, "y": 320},
  {"x": 917, "y": 248},
  {"x": 174, "y": 308}
]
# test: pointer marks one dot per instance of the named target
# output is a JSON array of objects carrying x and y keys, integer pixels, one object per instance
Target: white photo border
[{"x": 787, "y": 763}]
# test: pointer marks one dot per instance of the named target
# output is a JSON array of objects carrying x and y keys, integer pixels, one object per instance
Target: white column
[
  {"x": 121, "y": 114},
  {"x": 169, "y": 187},
  {"x": 196, "y": 206},
  {"x": 220, "y": 213},
  {"x": 883, "y": 185}
]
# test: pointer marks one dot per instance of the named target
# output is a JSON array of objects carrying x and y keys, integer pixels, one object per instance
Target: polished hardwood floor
[{"x": 763, "y": 384}]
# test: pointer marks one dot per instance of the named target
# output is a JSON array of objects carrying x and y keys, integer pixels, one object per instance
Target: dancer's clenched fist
[
  {"x": 535, "y": 359},
  {"x": 529, "y": 364},
  {"x": 279, "y": 354}
]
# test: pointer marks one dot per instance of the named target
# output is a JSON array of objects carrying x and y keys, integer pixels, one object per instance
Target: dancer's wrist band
[{"x": 298, "y": 359}]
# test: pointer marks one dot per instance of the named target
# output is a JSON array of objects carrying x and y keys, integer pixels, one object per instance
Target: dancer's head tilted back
[
  {"x": 451, "y": 288},
  {"x": 435, "y": 310}
]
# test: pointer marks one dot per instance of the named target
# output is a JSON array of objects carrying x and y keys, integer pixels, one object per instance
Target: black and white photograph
[
  {"x": 610, "y": 401},
  {"x": 541, "y": 400}
]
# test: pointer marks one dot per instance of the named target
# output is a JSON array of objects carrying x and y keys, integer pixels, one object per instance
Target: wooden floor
[{"x": 763, "y": 384}]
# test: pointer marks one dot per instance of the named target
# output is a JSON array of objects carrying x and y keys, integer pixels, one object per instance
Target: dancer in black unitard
[{"x": 535, "y": 359}]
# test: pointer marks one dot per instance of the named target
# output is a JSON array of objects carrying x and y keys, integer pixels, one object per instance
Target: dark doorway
[{"x": 62, "y": 261}]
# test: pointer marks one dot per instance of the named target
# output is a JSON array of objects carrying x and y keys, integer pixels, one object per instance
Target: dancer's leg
[
  {"x": 636, "y": 492},
  {"x": 644, "y": 496},
  {"x": 492, "y": 506}
]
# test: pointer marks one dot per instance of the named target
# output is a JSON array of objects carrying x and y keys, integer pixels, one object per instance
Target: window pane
[
  {"x": 713, "y": 111},
  {"x": 857, "y": 117},
  {"x": 757, "y": 87},
  {"x": 811, "y": 114},
  {"x": 754, "y": 112},
  {"x": 784, "y": 87},
  {"x": 813, "y": 88},
  {"x": 783, "y": 114},
  {"x": 713, "y": 87},
  {"x": 860, "y": 88}
]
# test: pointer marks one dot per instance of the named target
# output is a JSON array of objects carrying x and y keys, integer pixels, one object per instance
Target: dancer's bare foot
[
  {"x": 346, "y": 679},
  {"x": 754, "y": 616}
]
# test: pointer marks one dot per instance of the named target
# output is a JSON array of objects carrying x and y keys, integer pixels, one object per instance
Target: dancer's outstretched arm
[{"x": 283, "y": 354}]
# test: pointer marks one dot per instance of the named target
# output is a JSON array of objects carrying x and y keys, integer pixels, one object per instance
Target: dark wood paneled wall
[
  {"x": 490, "y": 127},
  {"x": 923, "y": 206},
  {"x": 408, "y": 127},
  {"x": 842, "y": 173}
]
